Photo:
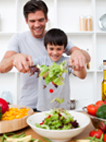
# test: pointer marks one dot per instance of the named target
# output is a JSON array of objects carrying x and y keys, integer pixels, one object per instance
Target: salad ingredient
[
  {"x": 51, "y": 73},
  {"x": 58, "y": 119},
  {"x": 104, "y": 101},
  {"x": 0, "y": 113},
  {"x": 3, "y": 105},
  {"x": 101, "y": 112},
  {"x": 51, "y": 90},
  {"x": 23, "y": 139},
  {"x": 15, "y": 113},
  {"x": 92, "y": 109},
  {"x": 104, "y": 137},
  {"x": 102, "y": 126},
  {"x": 99, "y": 103},
  {"x": 91, "y": 139},
  {"x": 18, "y": 138},
  {"x": 60, "y": 101},
  {"x": 97, "y": 133}
]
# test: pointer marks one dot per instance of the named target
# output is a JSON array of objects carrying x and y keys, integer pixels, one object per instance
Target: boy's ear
[{"x": 64, "y": 49}]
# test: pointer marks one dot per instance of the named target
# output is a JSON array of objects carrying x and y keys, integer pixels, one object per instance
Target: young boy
[{"x": 55, "y": 42}]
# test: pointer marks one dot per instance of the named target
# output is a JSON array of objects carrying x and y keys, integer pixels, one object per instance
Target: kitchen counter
[{"x": 29, "y": 131}]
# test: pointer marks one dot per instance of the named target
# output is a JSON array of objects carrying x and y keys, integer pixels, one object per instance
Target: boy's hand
[{"x": 77, "y": 60}]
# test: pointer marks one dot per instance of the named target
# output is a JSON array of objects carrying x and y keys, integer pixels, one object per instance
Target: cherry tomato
[
  {"x": 97, "y": 133},
  {"x": 104, "y": 137},
  {"x": 99, "y": 103},
  {"x": 92, "y": 109},
  {"x": 102, "y": 126},
  {"x": 105, "y": 102},
  {"x": 51, "y": 90}
]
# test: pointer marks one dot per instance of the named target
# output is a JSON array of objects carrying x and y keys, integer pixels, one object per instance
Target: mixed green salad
[
  {"x": 50, "y": 73},
  {"x": 58, "y": 119},
  {"x": 53, "y": 73}
]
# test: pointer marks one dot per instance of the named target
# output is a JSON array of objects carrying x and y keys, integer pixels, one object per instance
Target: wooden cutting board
[{"x": 15, "y": 124}]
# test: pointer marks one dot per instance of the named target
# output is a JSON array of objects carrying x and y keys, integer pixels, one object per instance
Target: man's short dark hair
[
  {"x": 35, "y": 5},
  {"x": 55, "y": 37}
]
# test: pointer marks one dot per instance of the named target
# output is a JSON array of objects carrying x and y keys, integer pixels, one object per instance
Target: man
[{"x": 25, "y": 46}]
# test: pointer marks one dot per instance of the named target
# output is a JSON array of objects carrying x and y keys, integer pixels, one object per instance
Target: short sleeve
[{"x": 14, "y": 44}]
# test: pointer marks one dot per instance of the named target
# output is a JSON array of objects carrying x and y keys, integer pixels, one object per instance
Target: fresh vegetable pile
[
  {"x": 15, "y": 113},
  {"x": 98, "y": 109},
  {"x": 50, "y": 73},
  {"x": 58, "y": 119}
]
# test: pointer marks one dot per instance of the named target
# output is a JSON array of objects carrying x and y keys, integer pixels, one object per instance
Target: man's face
[
  {"x": 37, "y": 22},
  {"x": 55, "y": 51}
]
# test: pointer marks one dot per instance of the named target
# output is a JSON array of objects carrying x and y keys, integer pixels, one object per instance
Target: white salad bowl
[{"x": 58, "y": 135}]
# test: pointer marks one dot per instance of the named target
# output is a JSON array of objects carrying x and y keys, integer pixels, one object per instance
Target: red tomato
[
  {"x": 4, "y": 105},
  {"x": 104, "y": 137},
  {"x": 51, "y": 90},
  {"x": 102, "y": 126},
  {"x": 105, "y": 102},
  {"x": 99, "y": 103},
  {"x": 92, "y": 109},
  {"x": 97, "y": 133}
]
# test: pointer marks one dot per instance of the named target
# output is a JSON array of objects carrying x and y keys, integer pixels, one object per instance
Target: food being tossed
[
  {"x": 50, "y": 73},
  {"x": 58, "y": 119}
]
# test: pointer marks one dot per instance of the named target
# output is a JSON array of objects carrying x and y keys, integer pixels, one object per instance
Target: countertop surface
[{"x": 29, "y": 131}]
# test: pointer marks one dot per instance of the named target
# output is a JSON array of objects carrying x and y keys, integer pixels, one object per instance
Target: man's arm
[
  {"x": 20, "y": 61},
  {"x": 78, "y": 58}
]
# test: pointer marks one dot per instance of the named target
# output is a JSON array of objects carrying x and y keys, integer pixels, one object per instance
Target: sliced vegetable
[
  {"x": 58, "y": 119},
  {"x": 60, "y": 101},
  {"x": 23, "y": 139}
]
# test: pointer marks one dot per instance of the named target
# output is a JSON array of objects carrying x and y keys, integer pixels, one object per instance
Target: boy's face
[
  {"x": 55, "y": 51},
  {"x": 37, "y": 22}
]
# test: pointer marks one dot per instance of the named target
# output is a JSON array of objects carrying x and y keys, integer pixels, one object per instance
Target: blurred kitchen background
[{"x": 84, "y": 21}]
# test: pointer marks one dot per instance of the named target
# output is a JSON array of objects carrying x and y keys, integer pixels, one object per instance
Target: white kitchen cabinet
[{"x": 63, "y": 14}]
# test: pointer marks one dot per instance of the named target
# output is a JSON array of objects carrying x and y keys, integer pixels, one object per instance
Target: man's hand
[
  {"x": 77, "y": 60},
  {"x": 22, "y": 62}
]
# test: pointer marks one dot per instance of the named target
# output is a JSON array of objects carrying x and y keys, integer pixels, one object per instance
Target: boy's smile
[{"x": 55, "y": 51}]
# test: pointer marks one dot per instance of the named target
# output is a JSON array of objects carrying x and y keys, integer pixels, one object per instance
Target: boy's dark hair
[
  {"x": 55, "y": 37},
  {"x": 35, "y": 5}
]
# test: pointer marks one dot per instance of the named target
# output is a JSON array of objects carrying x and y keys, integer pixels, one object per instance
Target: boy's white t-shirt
[{"x": 63, "y": 91}]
